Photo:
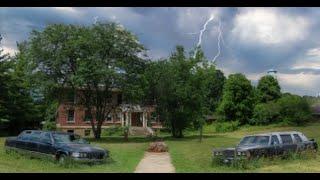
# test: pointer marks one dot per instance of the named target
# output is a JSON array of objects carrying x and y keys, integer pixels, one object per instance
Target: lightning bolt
[
  {"x": 201, "y": 33},
  {"x": 219, "y": 39}
]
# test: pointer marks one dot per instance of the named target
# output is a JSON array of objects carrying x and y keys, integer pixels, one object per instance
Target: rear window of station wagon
[{"x": 286, "y": 139}]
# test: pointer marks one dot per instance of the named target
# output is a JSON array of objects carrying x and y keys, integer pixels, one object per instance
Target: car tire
[{"x": 62, "y": 158}]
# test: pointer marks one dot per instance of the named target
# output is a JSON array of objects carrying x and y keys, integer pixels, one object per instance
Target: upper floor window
[
  {"x": 70, "y": 115},
  {"x": 87, "y": 116},
  {"x": 109, "y": 117}
]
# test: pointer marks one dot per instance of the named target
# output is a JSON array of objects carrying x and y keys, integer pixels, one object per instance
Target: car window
[
  {"x": 286, "y": 139},
  {"x": 46, "y": 138},
  {"x": 274, "y": 140},
  {"x": 24, "y": 137},
  {"x": 261, "y": 140},
  {"x": 297, "y": 138},
  {"x": 35, "y": 136}
]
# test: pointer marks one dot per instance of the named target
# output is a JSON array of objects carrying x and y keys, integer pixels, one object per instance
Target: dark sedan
[
  {"x": 270, "y": 144},
  {"x": 57, "y": 145}
]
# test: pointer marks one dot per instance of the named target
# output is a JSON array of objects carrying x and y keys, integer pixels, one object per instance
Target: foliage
[
  {"x": 294, "y": 109},
  {"x": 97, "y": 58},
  {"x": 268, "y": 89},
  {"x": 113, "y": 131},
  {"x": 49, "y": 125},
  {"x": 17, "y": 107},
  {"x": 265, "y": 113},
  {"x": 237, "y": 100},
  {"x": 185, "y": 89},
  {"x": 222, "y": 127}
]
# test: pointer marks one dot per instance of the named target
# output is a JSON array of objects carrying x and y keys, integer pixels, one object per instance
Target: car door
[
  {"x": 299, "y": 142},
  {"x": 34, "y": 140},
  {"x": 46, "y": 144},
  {"x": 275, "y": 145},
  {"x": 287, "y": 143}
]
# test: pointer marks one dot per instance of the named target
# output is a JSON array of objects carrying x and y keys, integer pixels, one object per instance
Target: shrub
[
  {"x": 227, "y": 126},
  {"x": 294, "y": 109},
  {"x": 113, "y": 131},
  {"x": 49, "y": 125},
  {"x": 265, "y": 113}
]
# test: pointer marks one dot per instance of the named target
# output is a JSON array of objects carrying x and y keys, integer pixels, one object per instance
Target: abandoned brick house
[{"x": 75, "y": 118}]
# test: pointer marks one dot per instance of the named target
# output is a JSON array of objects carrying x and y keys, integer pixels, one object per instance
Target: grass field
[
  {"x": 189, "y": 155},
  {"x": 125, "y": 157}
]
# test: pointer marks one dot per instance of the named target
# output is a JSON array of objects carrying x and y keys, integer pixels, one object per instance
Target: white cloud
[
  {"x": 65, "y": 9},
  {"x": 311, "y": 61},
  {"x": 268, "y": 26},
  {"x": 9, "y": 50}
]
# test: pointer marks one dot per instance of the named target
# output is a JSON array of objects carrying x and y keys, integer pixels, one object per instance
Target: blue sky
[{"x": 256, "y": 39}]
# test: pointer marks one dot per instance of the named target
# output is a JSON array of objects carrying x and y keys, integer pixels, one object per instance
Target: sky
[{"x": 255, "y": 39}]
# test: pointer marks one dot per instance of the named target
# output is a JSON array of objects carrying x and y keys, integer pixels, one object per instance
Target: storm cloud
[{"x": 255, "y": 39}]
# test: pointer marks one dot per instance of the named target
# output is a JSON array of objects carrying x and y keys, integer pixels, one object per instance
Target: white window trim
[{"x": 73, "y": 120}]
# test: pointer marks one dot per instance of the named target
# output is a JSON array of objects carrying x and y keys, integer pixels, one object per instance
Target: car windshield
[
  {"x": 258, "y": 140},
  {"x": 68, "y": 138}
]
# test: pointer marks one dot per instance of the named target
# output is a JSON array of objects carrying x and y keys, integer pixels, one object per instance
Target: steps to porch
[{"x": 141, "y": 131}]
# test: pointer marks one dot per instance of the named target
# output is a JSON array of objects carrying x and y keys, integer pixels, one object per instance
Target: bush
[
  {"x": 265, "y": 113},
  {"x": 113, "y": 131},
  {"x": 49, "y": 125},
  {"x": 227, "y": 126},
  {"x": 294, "y": 110}
]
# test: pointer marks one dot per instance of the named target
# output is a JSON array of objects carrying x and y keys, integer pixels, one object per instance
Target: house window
[
  {"x": 109, "y": 117},
  {"x": 70, "y": 131},
  {"x": 87, "y": 116},
  {"x": 118, "y": 116},
  {"x": 70, "y": 115},
  {"x": 87, "y": 132}
]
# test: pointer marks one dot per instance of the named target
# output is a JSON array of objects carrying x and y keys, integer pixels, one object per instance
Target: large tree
[
  {"x": 268, "y": 89},
  {"x": 185, "y": 89},
  {"x": 17, "y": 107},
  {"x": 94, "y": 59},
  {"x": 237, "y": 100}
]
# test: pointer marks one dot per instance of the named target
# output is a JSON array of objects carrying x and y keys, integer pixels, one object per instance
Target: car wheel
[{"x": 62, "y": 158}]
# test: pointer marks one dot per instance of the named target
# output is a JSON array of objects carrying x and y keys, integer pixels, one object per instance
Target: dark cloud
[{"x": 161, "y": 29}]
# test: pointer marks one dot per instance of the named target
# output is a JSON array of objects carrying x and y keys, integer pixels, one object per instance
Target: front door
[{"x": 136, "y": 119}]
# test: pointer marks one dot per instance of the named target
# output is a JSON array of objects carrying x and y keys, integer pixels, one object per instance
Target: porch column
[
  {"x": 127, "y": 119},
  {"x": 143, "y": 120},
  {"x": 121, "y": 119}
]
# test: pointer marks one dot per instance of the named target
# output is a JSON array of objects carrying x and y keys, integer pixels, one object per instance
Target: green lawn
[
  {"x": 125, "y": 157},
  {"x": 189, "y": 155}
]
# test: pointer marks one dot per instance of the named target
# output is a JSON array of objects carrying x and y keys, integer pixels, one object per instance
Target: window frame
[
  {"x": 287, "y": 135},
  {"x": 87, "y": 119},
  {"x": 295, "y": 138},
  {"x": 68, "y": 113},
  {"x": 277, "y": 140},
  {"x": 111, "y": 118},
  {"x": 87, "y": 130}
]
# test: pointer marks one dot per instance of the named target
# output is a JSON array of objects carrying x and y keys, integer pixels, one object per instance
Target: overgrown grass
[
  {"x": 124, "y": 158},
  {"x": 189, "y": 155}
]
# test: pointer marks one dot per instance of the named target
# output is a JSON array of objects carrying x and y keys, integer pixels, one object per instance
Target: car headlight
[
  {"x": 75, "y": 154},
  {"x": 83, "y": 155}
]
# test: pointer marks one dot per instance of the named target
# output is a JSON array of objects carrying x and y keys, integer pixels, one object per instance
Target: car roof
[
  {"x": 53, "y": 132},
  {"x": 276, "y": 133}
]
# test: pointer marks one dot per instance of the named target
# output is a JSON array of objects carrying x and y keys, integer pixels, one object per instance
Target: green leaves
[
  {"x": 268, "y": 89},
  {"x": 238, "y": 99}
]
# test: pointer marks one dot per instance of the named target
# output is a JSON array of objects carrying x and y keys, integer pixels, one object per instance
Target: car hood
[
  {"x": 248, "y": 147},
  {"x": 239, "y": 148},
  {"x": 76, "y": 147}
]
